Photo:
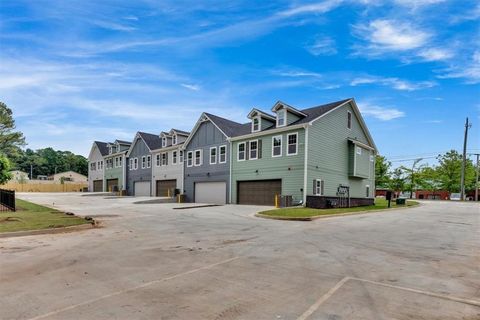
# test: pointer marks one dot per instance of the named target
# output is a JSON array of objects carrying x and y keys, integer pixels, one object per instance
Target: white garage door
[
  {"x": 211, "y": 192},
  {"x": 142, "y": 189}
]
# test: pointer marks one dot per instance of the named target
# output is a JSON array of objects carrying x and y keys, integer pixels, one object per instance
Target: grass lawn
[
  {"x": 308, "y": 212},
  {"x": 30, "y": 216}
]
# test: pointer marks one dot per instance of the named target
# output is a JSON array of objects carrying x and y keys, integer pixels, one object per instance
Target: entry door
[{"x": 211, "y": 192}]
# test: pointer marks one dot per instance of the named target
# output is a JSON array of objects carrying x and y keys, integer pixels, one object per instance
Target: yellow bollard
[
  {"x": 168, "y": 193},
  {"x": 277, "y": 205}
]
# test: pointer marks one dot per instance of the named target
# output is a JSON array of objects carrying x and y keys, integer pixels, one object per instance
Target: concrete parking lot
[{"x": 150, "y": 261}]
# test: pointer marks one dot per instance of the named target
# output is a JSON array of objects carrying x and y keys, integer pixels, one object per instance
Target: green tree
[
  {"x": 413, "y": 176},
  {"x": 449, "y": 172},
  {"x": 9, "y": 138},
  {"x": 382, "y": 172},
  {"x": 4, "y": 170},
  {"x": 397, "y": 181}
]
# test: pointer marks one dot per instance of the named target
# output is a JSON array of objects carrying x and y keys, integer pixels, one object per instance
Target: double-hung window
[
  {"x": 174, "y": 139},
  {"x": 318, "y": 187},
  {"x": 149, "y": 161},
  {"x": 198, "y": 157},
  {"x": 189, "y": 158},
  {"x": 181, "y": 157},
  {"x": 116, "y": 162},
  {"x": 253, "y": 149},
  {"x": 241, "y": 151},
  {"x": 164, "y": 142},
  {"x": 130, "y": 163},
  {"x": 277, "y": 146},
  {"x": 174, "y": 156},
  {"x": 135, "y": 163},
  {"x": 256, "y": 124},
  {"x": 292, "y": 147},
  {"x": 119, "y": 161},
  {"x": 144, "y": 162},
  {"x": 281, "y": 115},
  {"x": 157, "y": 159},
  {"x": 222, "y": 154},
  {"x": 213, "y": 155},
  {"x": 164, "y": 158}
]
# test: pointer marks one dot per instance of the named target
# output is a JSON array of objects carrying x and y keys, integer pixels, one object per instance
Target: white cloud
[
  {"x": 469, "y": 70},
  {"x": 391, "y": 35},
  {"x": 192, "y": 87},
  {"x": 418, "y": 3},
  {"x": 436, "y": 54},
  {"x": 322, "y": 46},
  {"x": 297, "y": 73},
  {"x": 319, "y": 7},
  {"x": 380, "y": 113},
  {"x": 394, "y": 83}
]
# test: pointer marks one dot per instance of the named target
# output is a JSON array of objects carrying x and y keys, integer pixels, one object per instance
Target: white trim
[
  {"x": 190, "y": 153},
  {"x": 158, "y": 160},
  {"x": 296, "y": 144},
  {"x": 305, "y": 169},
  {"x": 230, "y": 172},
  {"x": 149, "y": 161},
  {"x": 124, "y": 173},
  {"x": 363, "y": 145},
  {"x": 244, "y": 151},
  {"x": 322, "y": 187},
  {"x": 281, "y": 146},
  {"x": 210, "y": 155},
  {"x": 175, "y": 156},
  {"x": 250, "y": 150},
  {"x": 358, "y": 150},
  {"x": 288, "y": 107},
  {"x": 219, "y": 154},
  {"x": 135, "y": 163},
  {"x": 261, "y": 114},
  {"x": 284, "y": 111},
  {"x": 195, "y": 158},
  {"x": 174, "y": 139},
  {"x": 269, "y": 132},
  {"x": 164, "y": 141},
  {"x": 166, "y": 159}
]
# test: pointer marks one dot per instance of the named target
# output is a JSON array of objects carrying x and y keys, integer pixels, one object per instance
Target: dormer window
[
  {"x": 281, "y": 117},
  {"x": 174, "y": 139},
  {"x": 164, "y": 142},
  {"x": 110, "y": 149},
  {"x": 256, "y": 124}
]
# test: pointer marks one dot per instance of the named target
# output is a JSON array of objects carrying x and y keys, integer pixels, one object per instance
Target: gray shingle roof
[
  {"x": 181, "y": 132},
  {"x": 102, "y": 147},
  {"x": 123, "y": 142},
  {"x": 153, "y": 141},
  {"x": 229, "y": 127}
]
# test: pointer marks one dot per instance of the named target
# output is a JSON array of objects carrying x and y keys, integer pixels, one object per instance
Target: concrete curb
[
  {"x": 259, "y": 215},
  {"x": 85, "y": 226}
]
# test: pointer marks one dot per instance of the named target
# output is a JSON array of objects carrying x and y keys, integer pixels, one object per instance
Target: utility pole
[
  {"x": 31, "y": 171},
  {"x": 464, "y": 161}
]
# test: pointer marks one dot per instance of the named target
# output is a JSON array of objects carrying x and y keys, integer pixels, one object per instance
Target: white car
[{"x": 455, "y": 197}]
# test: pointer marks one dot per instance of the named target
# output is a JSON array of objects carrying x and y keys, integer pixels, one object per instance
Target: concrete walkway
[{"x": 152, "y": 262}]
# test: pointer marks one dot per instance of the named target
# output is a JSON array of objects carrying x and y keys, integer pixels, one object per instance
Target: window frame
[
  {"x": 367, "y": 191},
  {"x": 200, "y": 151},
  {"x": 358, "y": 150},
  {"x": 135, "y": 163},
  {"x": 210, "y": 155},
  {"x": 259, "y": 124},
  {"x": 320, "y": 187},
  {"x": 144, "y": 162},
  {"x": 284, "y": 112},
  {"x": 130, "y": 164},
  {"x": 149, "y": 161},
  {"x": 296, "y": 144},
  {"x": 190, "y": 153},
  {"x": 164, "y": 142},
  {"x": 174, "y": 157},
  {"x": 174, "y": 139},
  {"x": 157, "y": 160},
  {"x": 250, "y": 149},
  {"x": 220, "y": 154},
  {"x": 180, "y": 156},
  {"x": 164, "y": 156},
  {"x": 244, "y": 151},
  {"x": 273, "y": 146}
]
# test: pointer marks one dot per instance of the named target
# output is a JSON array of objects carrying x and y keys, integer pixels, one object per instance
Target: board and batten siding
[
  {"x": 139, "y": 150},
  {"x": 167, "y": 172},
  {"x": 290, "y": 169},
  {"x": 329, "y": 156},
  {"x": 206, "y": 136}
]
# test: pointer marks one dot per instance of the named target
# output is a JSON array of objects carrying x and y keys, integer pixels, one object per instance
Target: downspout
[
  {"x": 230, "y": 173},
  {"x": 305, "y": 167}
]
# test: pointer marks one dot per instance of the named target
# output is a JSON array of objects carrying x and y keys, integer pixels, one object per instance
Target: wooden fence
[{"x": 44, "y": 187}]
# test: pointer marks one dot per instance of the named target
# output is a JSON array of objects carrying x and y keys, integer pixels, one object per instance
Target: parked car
[{"x": 455, "y": 197}]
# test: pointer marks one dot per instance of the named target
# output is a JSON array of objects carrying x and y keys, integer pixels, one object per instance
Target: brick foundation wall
[{"x": 320, "y": 202}]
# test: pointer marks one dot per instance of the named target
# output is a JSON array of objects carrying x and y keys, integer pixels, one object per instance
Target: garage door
[
  {"x": 97, "y": 185},
  {"x": 211, "y": 192},
  {"x": 261, "y": 192},
  {"x": 166, "y": 188},
  {"x": 142, "y": 189},
  {"x": 111, "y": 183}
]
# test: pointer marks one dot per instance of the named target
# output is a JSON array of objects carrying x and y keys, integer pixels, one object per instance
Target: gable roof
[
  {"x": 262, "y": 114},
  {"x": 293, "y": 110},
  {"x": 102, "y": 147},
  {"x": 152, "y": 141},
  {"x": 123, "y": 142},
  {"x": 180, "y": 132}
]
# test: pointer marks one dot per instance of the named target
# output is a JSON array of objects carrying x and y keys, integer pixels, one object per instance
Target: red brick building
[{"x": 432, "y": 195}]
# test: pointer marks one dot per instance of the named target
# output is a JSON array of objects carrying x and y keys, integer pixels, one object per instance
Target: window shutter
[
  {"x": 247, "y": 150},
  {"x": 166, "y": 159},
  {"x": 259, "y": 149},
  {"x": 322, "y": 186},
  {"x": 314, "y": 186}
]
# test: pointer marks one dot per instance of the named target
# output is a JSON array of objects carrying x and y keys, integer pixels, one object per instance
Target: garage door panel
[
  {"x": 142, "y": 188},
  {"x": 111, "y": 183},
  {"x": 260, "y": 192},
  {"x": 97, "y": 185},
  {"x": 211, "y": 192},
  {"x": 165, "y": 188}
]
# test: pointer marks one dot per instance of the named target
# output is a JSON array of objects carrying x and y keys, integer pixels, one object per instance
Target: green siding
[
  {"x": 266, "y": 124},
  {"x": 288, "y": 168},
  {"x": 115, "y": 173},
  {"x": 291, "y": 118},
  {"x": 329, "y": 158}
]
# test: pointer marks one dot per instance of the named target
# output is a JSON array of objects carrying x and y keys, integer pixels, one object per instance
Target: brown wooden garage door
[
  {"x": 111, "y": 183},
  {"x": 166, "y": 188},
  {"x": 260, "y": 192},
  {"x": 97, "y": 185}
]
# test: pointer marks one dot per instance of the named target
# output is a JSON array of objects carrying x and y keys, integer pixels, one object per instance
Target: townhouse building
[
  {"x": 96, "y": 166},
  {"x": 115, "y": 161}
]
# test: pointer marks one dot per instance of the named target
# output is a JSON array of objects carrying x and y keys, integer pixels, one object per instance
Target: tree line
[
  {"x": 445, "y": 175},
  {"x": 42, "y": 162}
]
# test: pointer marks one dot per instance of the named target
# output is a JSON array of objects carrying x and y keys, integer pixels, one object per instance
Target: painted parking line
[
  {"x": 339, "y": 284},
  {"x": 146, "y": 284}
]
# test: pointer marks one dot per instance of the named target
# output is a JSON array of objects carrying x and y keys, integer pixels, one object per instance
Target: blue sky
[{"x": 77, "y": 71}]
